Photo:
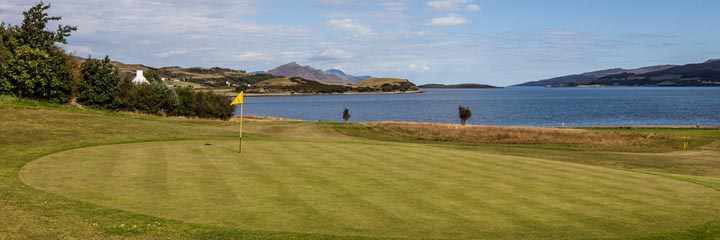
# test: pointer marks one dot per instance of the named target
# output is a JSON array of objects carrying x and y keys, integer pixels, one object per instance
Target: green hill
[{"x": 296, "y": 85}]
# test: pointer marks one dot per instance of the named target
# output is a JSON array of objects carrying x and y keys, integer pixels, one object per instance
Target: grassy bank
[{"x": 302, "y": 180}]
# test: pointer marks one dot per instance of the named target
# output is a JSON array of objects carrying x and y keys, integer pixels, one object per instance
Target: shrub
[
  {"x": 99, "y": 86},
  {"x": 464, "y": 114}
]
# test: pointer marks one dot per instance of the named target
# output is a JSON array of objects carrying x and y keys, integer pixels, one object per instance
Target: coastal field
[{"x": 76, "y": 173}]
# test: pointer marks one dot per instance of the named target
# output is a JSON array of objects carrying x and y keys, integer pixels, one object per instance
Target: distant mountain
[
  {"x": 698, "y": 74},
  {"x": 347, "y": 77},
  {"x": 585, "y": 78},
  {"x": 295, "y": 70},
  {"x": 464, "y": 85}
]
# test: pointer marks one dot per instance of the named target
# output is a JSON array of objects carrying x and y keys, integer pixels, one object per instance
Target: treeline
[{"x": 33, "y": 65}]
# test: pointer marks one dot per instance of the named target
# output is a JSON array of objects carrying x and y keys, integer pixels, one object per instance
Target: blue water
[{"x": 515, "y": 106}]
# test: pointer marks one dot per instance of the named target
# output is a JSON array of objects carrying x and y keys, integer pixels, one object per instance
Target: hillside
[
  {"x": 196, "y": 77},
  {"x": 273, "y": 81},
  {"x": 464, "y": 85},
  {"x": 388, "y": 85},
  {"x": 347, "y": 77},
  {"x": 699, "y": 74},
  {"x": 295, "y": 70},
  {"x": 586, "y": 78},
  {"x": 297, "y": 85}
]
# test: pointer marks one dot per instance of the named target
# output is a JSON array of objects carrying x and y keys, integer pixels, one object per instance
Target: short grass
[
  {"x": 372, "y": 190},
  {"x": 330, "y": 181},
  {"x": 188, "y": 84}
]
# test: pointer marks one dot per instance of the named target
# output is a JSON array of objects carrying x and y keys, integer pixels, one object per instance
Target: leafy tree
[
  {"x": 152, "y": 76},
  {"x": 464, "y": 114},
  {"x": 35, "y": 66},
  {"x": 33, "y": 34},
  {"x": 99, "y": 87},
  {"x": 187, "y": 102},
  {"x": 346, "y": 114},
  {"x": 4, "y": 84},
  {"x": 34, "y": 73},
  {"x": 166, "y": 99}
]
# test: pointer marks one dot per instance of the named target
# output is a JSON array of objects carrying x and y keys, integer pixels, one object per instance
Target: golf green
[{"x": 372, "y": 189}]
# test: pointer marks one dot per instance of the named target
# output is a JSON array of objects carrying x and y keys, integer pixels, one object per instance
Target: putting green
[{"x": 349, "y": 188}]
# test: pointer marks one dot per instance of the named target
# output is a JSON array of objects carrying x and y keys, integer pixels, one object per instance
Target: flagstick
[{"x": 241, "y": 122}]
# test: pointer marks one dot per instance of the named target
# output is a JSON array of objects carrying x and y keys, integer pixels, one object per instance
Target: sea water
[{"x": 513, "y": 106}]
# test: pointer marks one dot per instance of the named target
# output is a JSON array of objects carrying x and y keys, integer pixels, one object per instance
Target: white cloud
[
  {"x": 350, "y": 27},
  {"x": 253, "y": 56},
  {"x": 450, "y": 20},
  {"x": 81, "y": 51},
  {"x": 339, "y": 4},
  {"x": 561, "y": 32},
  {"x": 473, "y": 8},
  {"x": 181, "y": 52},
  {"x": 238, "y": 57},
  {"x": 423, "y": 67},
  {"x": 396, "y": 6},
  {"x": 172, "y": 52},
  {"x": 446, "y": 5},
  {"x": 329, "y": 55}
]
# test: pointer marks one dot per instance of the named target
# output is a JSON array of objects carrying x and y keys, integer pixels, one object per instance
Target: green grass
[
  {"x": 97, "y": 175},
  {"x": 188, "y": 84},
  {"x": 372, "y": 190}
]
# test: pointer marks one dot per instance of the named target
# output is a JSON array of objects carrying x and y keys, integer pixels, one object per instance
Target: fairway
[{"x": 372, "y": 189}]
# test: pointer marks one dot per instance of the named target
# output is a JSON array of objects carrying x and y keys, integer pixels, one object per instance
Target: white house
[{"x": 139, "y": 78}]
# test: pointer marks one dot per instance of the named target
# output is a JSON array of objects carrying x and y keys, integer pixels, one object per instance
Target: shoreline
[
  {"x": 235, "y": 118},
  {"x": 287, "y": 94}
]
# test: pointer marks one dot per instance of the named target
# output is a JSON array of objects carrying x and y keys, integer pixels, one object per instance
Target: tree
[
  {"x": 346, "y": 114},
  {"x": 464, "y": 114},
  {"x": 35, "y": 67},
  {"x": 167, "y": 99},
  {"x": 4, "y": 84},
  {"x": 99, "y": 87},
  {"x": 32, "y": 32},
  {"x": 152, "y": 76}
]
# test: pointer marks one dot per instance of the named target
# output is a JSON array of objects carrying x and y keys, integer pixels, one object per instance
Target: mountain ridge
[
  {"x": 694, "y": 74},
  {"x": 293, "y": 69},
  {"x": 588, "y": 77},
  {"x": 348, "y": 77}
]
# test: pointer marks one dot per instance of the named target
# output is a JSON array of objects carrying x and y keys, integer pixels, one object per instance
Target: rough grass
[
  {"x": 368, "y": 189},
  {"x": 377, "y": 82},
  {"x": 580, "y": 139},
  {"x": 277, "y": 82}
]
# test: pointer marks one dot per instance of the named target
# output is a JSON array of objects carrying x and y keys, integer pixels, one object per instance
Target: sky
[{"x": 497, "y": 42}]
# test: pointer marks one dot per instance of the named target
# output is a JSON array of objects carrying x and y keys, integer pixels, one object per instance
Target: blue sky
[{"x": 499, "y": 42}]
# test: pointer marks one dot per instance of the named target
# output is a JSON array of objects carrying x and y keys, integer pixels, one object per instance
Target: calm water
[{"x": 516, "y": 106}]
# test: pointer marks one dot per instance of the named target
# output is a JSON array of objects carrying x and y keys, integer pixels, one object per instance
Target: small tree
[
  {"x": 464, "y": 114},
  {"x": 346, "y": 114},
  {"x": 99, "y": 87}
]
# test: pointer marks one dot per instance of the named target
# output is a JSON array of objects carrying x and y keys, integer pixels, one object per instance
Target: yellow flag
[{"x": 238, "y": 99}]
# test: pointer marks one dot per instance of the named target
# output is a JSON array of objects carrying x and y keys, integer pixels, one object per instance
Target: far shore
[{"x": 288, "y": 94}]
